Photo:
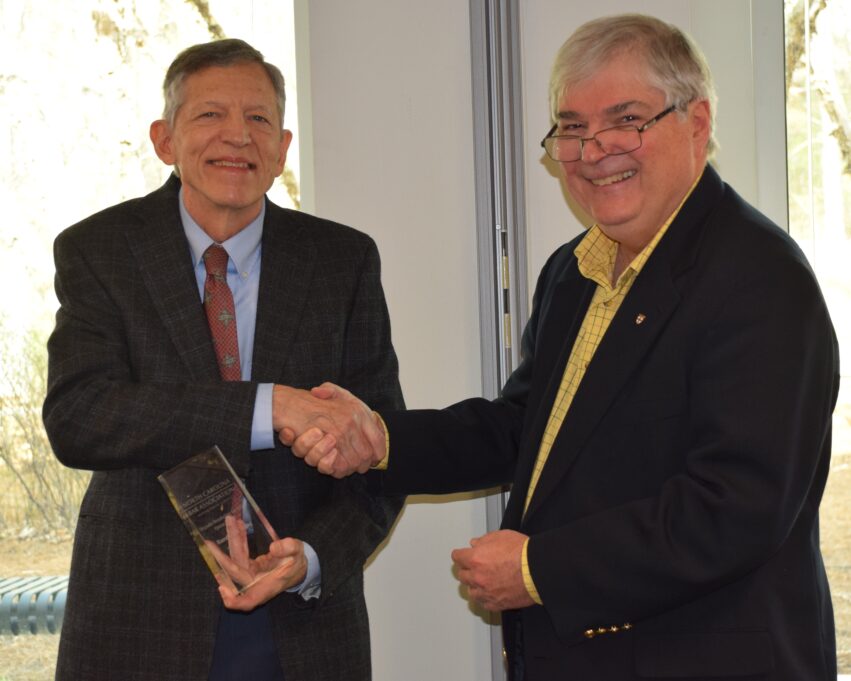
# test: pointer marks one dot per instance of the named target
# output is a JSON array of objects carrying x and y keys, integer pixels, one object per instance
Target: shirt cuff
[
  {"x": 262, "y": 433},
  {"x": 311, "y": 587},
  {"x": 382, "y": 465},
  {"x": 527, "y": 575}
]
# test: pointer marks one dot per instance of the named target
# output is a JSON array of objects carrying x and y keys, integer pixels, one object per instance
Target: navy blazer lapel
[
  {"x": 557, "y": 336},
  {"x": 642, "y": 316},
  {"x": 287, "y": 263},
  {"x": 162, "y": 253}
]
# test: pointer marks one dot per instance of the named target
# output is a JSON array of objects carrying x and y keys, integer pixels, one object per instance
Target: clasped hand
[
  {"x": 491, "y": 569},
  {"x": 328, "y": 427}
]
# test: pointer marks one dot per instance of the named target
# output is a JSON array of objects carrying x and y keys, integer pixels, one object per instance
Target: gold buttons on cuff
[{"x": 599, "y": 631}]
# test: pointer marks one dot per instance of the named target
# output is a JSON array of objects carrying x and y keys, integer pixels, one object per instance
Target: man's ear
[
  {"x": 161, "y": 137},
  {"x": 702, "y": 119},
  {"x": 286, "y": 138}
]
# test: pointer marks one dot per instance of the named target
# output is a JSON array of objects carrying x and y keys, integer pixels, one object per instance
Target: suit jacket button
[{"x": 590, "y": 633}]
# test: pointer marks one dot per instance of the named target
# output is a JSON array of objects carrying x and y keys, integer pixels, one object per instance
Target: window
[
  {"x": 81, "y": 85},
  {"x": 818, "y": 84}
]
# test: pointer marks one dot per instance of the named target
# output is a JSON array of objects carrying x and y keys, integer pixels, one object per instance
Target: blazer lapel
[
  {"x": 287, "y": 264},
  {"x": 162, "y": 253},
  {"x": 642, "y": 316},
  {"x": 557, "y": 336}
]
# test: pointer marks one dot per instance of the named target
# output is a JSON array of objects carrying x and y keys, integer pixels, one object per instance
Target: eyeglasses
[{"x": 620, "y": 139}]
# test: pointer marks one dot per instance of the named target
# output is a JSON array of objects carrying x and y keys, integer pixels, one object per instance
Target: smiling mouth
[
  {"x": 244, "y": 165},
  {"x": 612, "y": 179}
]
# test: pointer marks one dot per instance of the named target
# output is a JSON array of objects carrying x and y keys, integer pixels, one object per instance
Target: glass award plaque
[{"x": 229, "y": 529}]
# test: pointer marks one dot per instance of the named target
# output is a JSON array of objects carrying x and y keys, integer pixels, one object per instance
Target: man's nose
[
  {"x": 592, "y": 152},
  {"x": 236, "y": 131}
]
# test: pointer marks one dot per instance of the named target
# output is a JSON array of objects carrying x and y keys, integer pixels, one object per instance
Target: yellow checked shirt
[{"x": 596, "y": 259}]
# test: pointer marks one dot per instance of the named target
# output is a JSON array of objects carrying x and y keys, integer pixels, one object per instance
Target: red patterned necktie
[{"x": 221, "y": 313}]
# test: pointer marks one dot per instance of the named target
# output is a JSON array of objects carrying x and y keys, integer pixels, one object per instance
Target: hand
[
  {"x": 282, "y": 568},
  {"x": 355, "y": 451},
  {"x": 492, "y": 572}
]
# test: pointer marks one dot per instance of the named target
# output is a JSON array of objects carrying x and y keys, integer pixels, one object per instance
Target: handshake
[
  {"x": 338, "y": 434},
  {"x": 328, "y": 427}
]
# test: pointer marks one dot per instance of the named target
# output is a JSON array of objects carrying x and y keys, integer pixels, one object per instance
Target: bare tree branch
[
  {"x": 44, "y": 496},
  {"x": 840, "y": 131},
  {"x": 796, "y": 55},
  {"x": 203, "y": 8},
  {"x": 32, "y": 497},
  {"x": 796, "y": 43}
]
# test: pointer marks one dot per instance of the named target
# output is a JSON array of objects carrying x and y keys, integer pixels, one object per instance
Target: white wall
[{"x": 391, "y": 124}]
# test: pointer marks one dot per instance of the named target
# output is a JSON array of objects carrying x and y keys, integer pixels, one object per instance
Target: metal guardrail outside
[{"x": 32, "y": 605}]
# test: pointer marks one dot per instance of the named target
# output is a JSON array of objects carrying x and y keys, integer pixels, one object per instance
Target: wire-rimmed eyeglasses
[{"x": 621, "y": 139}]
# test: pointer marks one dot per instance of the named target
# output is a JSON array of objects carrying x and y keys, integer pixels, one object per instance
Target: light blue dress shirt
[{"x": 244, "y": 281}]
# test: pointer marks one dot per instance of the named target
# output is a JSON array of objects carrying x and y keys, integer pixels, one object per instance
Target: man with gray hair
[
  {"x": 189, "y": 318},
  {"x": 667, "y": 433}
]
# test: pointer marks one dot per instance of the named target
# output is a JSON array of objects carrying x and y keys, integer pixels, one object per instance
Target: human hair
[
  {"x": 226, "y": 52},
  {"x": 674, "y": 62}
]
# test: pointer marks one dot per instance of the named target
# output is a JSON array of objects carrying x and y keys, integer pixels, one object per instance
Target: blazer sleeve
[{"x": 99, "y": 413}]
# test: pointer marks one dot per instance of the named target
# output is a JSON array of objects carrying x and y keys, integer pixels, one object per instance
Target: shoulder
[
  {"x": 750, "y": 245},
  {"x": 739, "y": 262},
  {"x": 333, "y": 239},
  {"x": 719, "y": 240},
  {"x": 314, "y": 227},
  {"x": 716, "y": 223},
  {"x": 116, "y": 220}
]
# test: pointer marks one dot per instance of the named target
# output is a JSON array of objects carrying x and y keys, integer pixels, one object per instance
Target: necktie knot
[{"x": 216, "y": 262}]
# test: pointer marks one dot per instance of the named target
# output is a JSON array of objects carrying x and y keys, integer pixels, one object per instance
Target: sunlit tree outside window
[
  {"x": 818, "y": 87},
  {"x": 80, "y": 85}
]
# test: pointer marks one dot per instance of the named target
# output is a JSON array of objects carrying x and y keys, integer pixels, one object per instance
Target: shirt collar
[{"x": 240, "y": 247}]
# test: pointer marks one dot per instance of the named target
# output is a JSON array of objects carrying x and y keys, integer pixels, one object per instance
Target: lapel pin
[{"x": 639, "y": 318}]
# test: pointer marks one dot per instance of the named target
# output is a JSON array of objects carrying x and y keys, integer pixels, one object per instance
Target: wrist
[
  {"x": 382, "y": 463},
  {"x": 282, "y": 397}
]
